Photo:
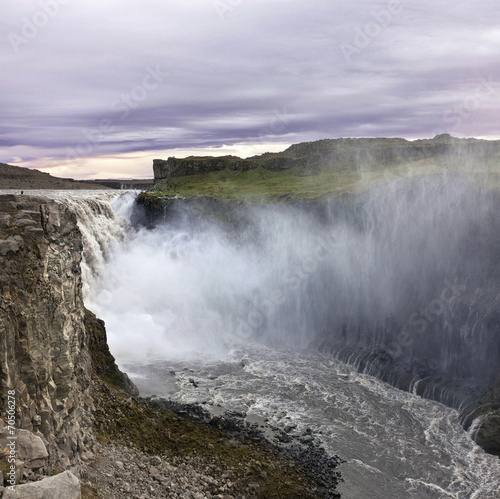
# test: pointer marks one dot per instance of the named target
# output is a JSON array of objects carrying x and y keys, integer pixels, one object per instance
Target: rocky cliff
[
  {"x": 45, "y": 359},
  {"x": 192, "y": 165}
]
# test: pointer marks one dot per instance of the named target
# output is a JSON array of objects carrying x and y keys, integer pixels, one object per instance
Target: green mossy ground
[{"x": 258, "y": 186}]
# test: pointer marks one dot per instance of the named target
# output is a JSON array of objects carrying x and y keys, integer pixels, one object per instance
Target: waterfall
[
  {"x": 104, "y": 221},
  {"x": 401, "y": 283}
]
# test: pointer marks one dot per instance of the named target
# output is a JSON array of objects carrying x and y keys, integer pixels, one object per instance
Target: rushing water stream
[{"x": 396, "y": 445}]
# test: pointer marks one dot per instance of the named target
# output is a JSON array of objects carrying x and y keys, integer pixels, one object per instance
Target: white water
[
  {"x": 397, "y": 445},
  {"x": 168, "y": 298}
]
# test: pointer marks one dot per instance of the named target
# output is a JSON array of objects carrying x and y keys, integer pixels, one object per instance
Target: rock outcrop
[
  {"x": 103, "y": 363},
  {"x": 30, "y": 449},
  {"x": 45, "y": 362},
  {"x": 194, "y": 165},
  {"x": 174, "y": 167}
]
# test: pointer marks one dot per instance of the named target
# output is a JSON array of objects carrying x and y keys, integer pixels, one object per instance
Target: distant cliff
[
  {"x": 313, "y": 156},
  {"x": 16, "y": 177}
]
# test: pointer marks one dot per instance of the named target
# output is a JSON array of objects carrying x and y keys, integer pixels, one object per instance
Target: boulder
[
  {"x": 4, "y": 220},
  {"x": 62, "y": 486},
  {"x": 29, "y": 447}
]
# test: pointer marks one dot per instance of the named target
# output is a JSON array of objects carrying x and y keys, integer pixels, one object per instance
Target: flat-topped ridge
[{"x": 312, "y": 156}]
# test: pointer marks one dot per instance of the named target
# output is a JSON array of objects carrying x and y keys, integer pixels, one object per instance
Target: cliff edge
[
  {"x": 52, "y": 350},
  {"x": 45, "y": 358},
  {"x": 311, "y": 157}
]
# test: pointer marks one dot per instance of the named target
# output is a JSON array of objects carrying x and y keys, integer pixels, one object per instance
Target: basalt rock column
[{"x": 43, "y": 350}]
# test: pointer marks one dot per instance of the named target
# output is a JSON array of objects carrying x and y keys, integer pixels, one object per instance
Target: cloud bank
[{"x": 99, "y": 89}]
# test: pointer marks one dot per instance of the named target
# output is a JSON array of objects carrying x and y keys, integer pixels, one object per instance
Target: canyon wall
[
  {"x": 402, "y": 283},
  {"x": 43, "y": 349}
]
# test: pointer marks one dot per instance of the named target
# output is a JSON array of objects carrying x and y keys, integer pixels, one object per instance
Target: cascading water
[
  {"x": 400, "y": 284},
  {"x": 103, "y": 220}
]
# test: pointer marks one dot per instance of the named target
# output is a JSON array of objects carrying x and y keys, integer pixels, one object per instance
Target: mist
[{"x": 394, "y": 281}]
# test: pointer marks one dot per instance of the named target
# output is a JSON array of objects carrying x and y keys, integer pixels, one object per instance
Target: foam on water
[{"x": 396, "y": 444}]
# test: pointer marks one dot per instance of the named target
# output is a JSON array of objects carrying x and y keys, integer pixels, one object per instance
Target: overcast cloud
[{"x": 101, "y": 88}]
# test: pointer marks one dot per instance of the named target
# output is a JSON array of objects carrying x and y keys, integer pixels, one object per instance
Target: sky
[{"x": 98, "y": 89}]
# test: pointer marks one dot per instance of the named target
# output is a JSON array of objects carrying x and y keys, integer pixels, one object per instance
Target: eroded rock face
[
  {"x": 103, "y": 363},
  {"x": 174, "y": 167},
  {"x": 43, "y": 350}
]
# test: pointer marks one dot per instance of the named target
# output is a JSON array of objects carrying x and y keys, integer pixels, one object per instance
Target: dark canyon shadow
[{"x": 402, "y": 282}]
